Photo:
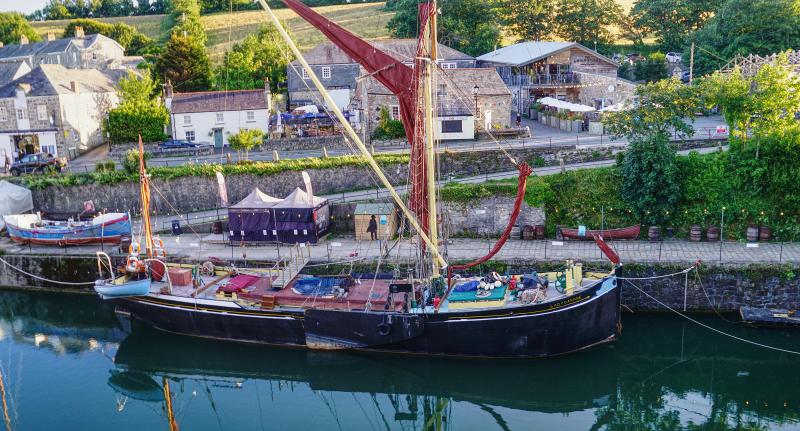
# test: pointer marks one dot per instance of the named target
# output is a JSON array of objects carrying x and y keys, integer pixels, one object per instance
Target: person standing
[{"x": 373, "y": 228}]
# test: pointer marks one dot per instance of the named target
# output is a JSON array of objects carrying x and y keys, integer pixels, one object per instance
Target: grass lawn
[{"x": 224, "y": 29}]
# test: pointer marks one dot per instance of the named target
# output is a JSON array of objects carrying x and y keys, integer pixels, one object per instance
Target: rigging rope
[
  {"x": 86, "y": 283},
  {"x": 744, "y": 340}
]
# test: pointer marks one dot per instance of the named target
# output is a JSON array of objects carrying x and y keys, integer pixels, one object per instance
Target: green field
[{"x": 224, "y": 29}]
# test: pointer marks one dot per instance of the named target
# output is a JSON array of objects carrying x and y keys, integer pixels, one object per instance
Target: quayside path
[{"x": 345, "y": 250}]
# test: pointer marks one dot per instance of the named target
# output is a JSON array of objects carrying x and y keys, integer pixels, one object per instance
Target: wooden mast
[
  {"x": 144, "y": 183},
  {"x": 354, "y": 136},
  {"x": 430, "y": 144}
]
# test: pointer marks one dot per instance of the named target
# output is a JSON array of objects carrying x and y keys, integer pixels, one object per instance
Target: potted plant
[{"x": 577, "y": 122}]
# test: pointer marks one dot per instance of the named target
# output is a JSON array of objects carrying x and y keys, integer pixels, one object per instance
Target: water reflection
[{"x": 662, "y": 375}]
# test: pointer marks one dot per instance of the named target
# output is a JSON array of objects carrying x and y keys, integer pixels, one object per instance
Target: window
[
  {"x": 448, "y": 65},
  {"x": 190, "y": 135},
  {"x": 304, "y": 73},
  {"x": 75, "y": 136},
  {"x": 21, "y": 115},
  {"x": 326, "y": 72},
  {"x": 3, "y": 114},
  {"x": 94, "y": 56},
  {"x": 220, "y": 117},
  {"x": 187, "y": 119},
  {"x": 395, "y": 111},
  {"x": 452, "y": 126},
  {"x": 41, "y": 112},
  {"x": 251, "y": 116}
]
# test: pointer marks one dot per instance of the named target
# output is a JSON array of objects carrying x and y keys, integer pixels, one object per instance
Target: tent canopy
[
  {"x": 560, "y": 104},
  {"x": 256, "y": 199},
  {"x": 617, "y": 107},
  {"x": 14, "y": 200},
  {"x": 300, "y": 199}
]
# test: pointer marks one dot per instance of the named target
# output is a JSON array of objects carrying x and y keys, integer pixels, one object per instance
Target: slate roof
[
  {"x": 54, "y": 79},
  {"x": 10, "y": 52},
  {"x": 12, "y": 71},
  {"x": 218, "y": 101},
  {"x": 524, "y": 53},
  {"x": 401, "y": 49}
]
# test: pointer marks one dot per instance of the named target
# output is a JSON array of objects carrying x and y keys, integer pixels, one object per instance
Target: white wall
[
  {"x": 6, "y": 148},
  {"x": 204, "y": 123},
  {"x": 83, "y": 112},
  {"x": 467, "y": 128}
]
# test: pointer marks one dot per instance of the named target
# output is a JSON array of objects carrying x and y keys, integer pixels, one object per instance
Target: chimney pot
[
  {"x": 51, "y": 36},
  {"x": 73, "y": 86},
  {"x": 23, "y": 40},
  {"x": 79, "y": 31}
]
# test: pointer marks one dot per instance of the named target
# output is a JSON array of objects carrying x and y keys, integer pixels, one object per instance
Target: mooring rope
[
  {"x": 85, "y": 283},
  {"x": 754, "y": 343},
  {"x": 689, "y": 269}
]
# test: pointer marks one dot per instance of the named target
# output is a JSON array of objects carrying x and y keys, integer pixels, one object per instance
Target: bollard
[
  {"x": 324, "y": 152},
  {"x": 275, "y": 155}
]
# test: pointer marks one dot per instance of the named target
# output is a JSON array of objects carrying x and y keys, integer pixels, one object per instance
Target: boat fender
[
  {"x": 384, "y": 329},
  {"x": 133, "y": 264},
  {"x": 135, "y": 248}
]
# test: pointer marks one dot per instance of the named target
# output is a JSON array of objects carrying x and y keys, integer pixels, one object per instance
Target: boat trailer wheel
[{"x": 384, "y": 329}]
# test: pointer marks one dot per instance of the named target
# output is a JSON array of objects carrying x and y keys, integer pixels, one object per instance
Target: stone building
[
  {"x": 459, "y": 92},
  {"x": 55, "y": 110},
  {"x": 211, "y": 116},
  {"x": 93, "y": 51},
  {"x": 340, "y": 74},
  {"x": 563, "y": 70}
]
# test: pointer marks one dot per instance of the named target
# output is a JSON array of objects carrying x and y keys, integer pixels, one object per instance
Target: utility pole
[{"x": 691, "y": 65}]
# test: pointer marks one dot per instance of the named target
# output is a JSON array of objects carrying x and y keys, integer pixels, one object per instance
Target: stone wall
[{"x": 486, "y": 217}]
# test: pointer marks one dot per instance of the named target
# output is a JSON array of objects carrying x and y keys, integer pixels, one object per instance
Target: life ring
[
  {"x": 384, "y": 329},
  {"x": 158, "y": 243},
  {"x": 133, "y": 264},
  {"x": 135, "y": 249},
  {"x": 158, "y": 247}
]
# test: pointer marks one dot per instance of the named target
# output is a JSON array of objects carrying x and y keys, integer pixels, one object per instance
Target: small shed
[
  {"x": 385, "y": 215},
  {"x": 251, "y": 220}
]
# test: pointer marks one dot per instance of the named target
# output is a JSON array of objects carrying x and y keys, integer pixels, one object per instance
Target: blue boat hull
[
  {"x": 110, "y": 232},
  {"x": 108, "y": 290}
]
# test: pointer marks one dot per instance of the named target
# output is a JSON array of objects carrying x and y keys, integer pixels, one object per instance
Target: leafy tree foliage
[
  {"x": 654, "y": 68},
  {"x": 135, "y": 43},
  {"x": 140, "y": 111},
  {"x": 13, "y": 25},
  {"x": 469, "y": 26},
  {"x": 588, "y": 22},
  {"x": 388, "y": 128},
  {"x": 185, "y": 63},
  {"x": 246, "y": 139},
  {"x": 184, "y": 19},
  {"x": 650, "y": 180},
  {"x": 528, "y": 20},
  {"x": 258, "y": 57},
  {"x": 673, "y": 20}
]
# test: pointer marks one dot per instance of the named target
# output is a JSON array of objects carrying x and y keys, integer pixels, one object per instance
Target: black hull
[{"x": 574, "y": 323}]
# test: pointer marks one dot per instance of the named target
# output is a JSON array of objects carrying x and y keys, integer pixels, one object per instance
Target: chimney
[
  {"x": 168, "y": 94},
  {"x": 268, "y": 94},
  {"x": 51, "y": 36},
  {"x": 23, "y": 40},
  {"x": 73, "y": 86},
  {"x": 79, "y": 31}
]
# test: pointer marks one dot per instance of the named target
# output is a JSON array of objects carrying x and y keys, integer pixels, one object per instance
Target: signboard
[
  {"x": 384, "y": 220},
  {"x": 722, "y": 130}
]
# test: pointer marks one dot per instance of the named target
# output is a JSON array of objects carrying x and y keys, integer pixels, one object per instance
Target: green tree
[
  {"x": 528, "y": 20},
  {"x": 245, "y": 140},
  {"x": 588, "y": 22},
  {"x": 654, "y": 68},
  {"x": 671, "y": 21},
  {"x": 466, "y": 25},
  {"x": 140, "y": 111},
  {"x": 116, "y": 8},
  {"x": 388, "y": 128},
  {"x": 258, "y": 57},
  {"x": 13, "y": 25},
  {"x": 185, "y": 63},
  {"x": 650, "y": 178},
  {"x": 184, "y": 19}
]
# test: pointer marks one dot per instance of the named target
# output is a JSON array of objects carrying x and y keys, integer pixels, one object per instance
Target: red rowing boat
[{"x": 630, "y": 232}]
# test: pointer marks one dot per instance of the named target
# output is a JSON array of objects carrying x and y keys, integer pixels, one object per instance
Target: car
[
  {"x": 674, "y": 57},
  {"x": 37, "y": 163},
  {"x": 634, "y": 57},
  {"x": 177, "y": 143},
  {"x": 685, "y": 76}
]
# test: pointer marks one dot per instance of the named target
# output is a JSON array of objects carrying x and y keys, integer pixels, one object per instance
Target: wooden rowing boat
[{"x": 630, "y": 232}]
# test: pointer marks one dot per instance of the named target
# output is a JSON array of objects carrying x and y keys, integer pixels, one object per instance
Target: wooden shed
[{"x": 385, "y": 215}]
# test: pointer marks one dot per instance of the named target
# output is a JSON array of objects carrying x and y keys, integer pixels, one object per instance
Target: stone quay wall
[{"x": 723, "y": 288}]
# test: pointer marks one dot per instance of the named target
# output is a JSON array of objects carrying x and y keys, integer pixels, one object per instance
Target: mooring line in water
[
  {"x": 687, "y": 270},
  {"x": 85, "y": 283},
  {"x": 793, "y": 352}
]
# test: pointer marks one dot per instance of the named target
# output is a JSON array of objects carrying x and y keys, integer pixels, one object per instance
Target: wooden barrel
[
  {"x": 752, "y": 233},
  {"x": 696, "y": 233},
  {"x": 712, "y": 234},
  {"x": 539, "y": 231},
  {"x": 654, "y": 233},
  {"x": 765, "y": 233}
]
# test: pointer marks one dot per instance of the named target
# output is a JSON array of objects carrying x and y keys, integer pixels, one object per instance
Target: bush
[
  {"x": 106, "y": 166},
  {"x": 388, "y": 128},
  {"x": 130, "y": 163}
]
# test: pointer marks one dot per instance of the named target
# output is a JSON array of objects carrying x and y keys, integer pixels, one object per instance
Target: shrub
[
  {"x": 130, "y": 163},
  {"x": 388, "y": 128}
]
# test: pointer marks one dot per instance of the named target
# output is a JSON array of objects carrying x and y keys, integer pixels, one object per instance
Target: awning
[{"x": 560, "y": 104}]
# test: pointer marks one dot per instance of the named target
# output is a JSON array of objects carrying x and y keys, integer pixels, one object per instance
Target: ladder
[{"x": 288, "y": 268}]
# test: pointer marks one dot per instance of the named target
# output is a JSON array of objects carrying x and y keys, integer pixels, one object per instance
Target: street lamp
[{"x": 475, "y": 95}]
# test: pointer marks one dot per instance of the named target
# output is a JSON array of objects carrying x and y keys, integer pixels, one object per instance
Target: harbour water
[{"x": 66, "y": 364}]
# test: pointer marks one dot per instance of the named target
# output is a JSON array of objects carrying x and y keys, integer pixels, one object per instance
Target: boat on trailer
[
  {"x": 32, "y": 229},
  {"x": 433, "y": 311}
]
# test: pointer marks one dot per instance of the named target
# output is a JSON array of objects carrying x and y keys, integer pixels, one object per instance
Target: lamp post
[{"x": 475, "y": 95}]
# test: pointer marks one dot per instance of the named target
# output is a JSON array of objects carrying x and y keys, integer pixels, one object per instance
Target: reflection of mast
[
  {"x": 6, "y": 417},
  {"x": 144, "y": 182},
  {"x": 173, "y": 425}
]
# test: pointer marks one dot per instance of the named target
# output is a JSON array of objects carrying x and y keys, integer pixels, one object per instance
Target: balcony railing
[{"x": 542, "y": 79}]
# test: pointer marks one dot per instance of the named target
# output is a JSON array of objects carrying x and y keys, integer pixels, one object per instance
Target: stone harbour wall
[{"x": 486, "y": 217}]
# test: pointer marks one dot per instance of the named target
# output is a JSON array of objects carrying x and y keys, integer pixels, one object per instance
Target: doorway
[{"x": 218, "y": 138}]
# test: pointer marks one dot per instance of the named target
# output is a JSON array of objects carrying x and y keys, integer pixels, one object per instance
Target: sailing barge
[{"x": 432, "y": 312}]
